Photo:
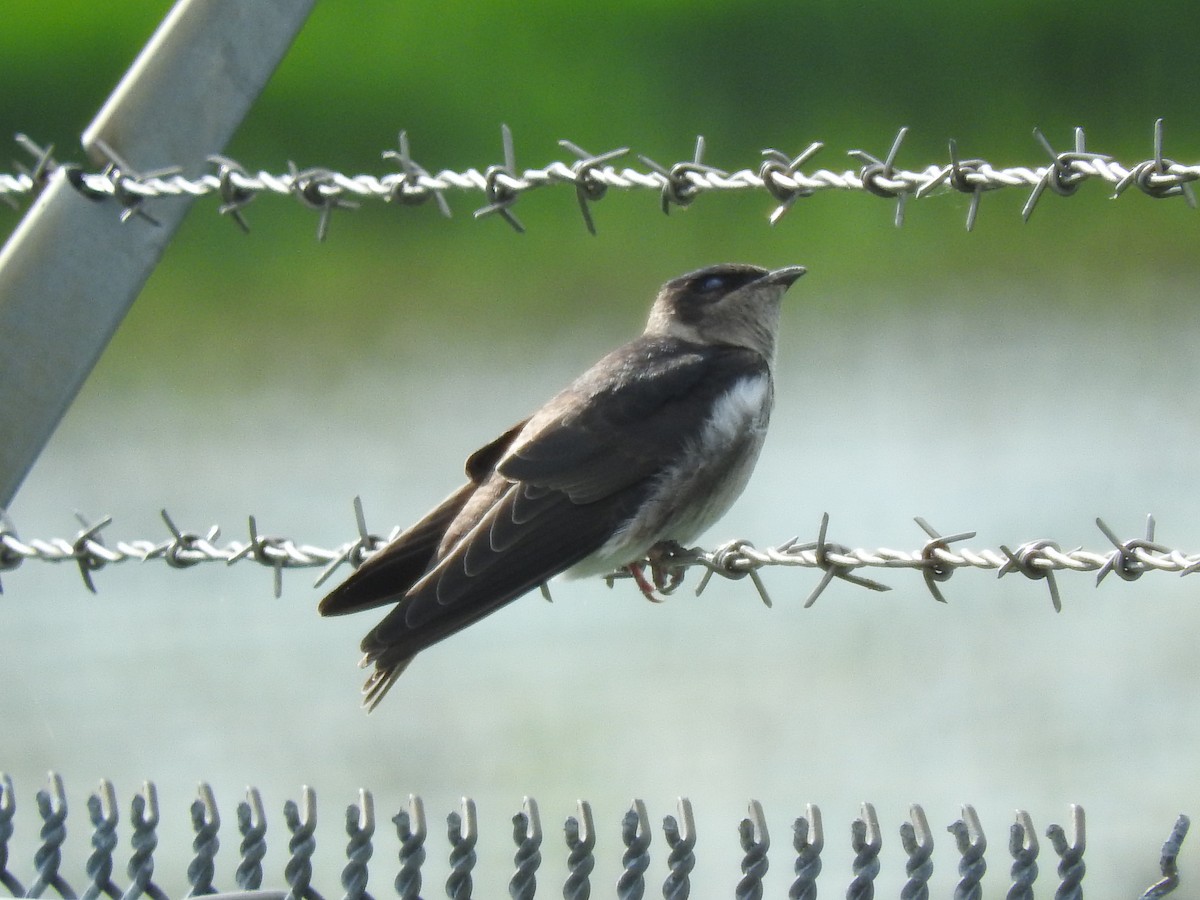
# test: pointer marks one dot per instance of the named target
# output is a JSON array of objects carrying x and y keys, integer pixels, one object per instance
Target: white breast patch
[{"x": 695, "y": 492}]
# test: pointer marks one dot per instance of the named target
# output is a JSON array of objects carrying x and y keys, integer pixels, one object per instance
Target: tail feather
[
  {"x": 380, "y": 681},
  {"x": 386, "y": 576}
]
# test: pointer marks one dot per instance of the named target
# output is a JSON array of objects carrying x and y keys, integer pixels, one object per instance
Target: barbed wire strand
[
  {"x": 463, "y": 831},
  {"x": 1038, "y": 560},
  {"x": 780, "y": 175}
]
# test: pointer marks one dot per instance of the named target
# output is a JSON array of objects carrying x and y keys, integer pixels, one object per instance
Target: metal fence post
[{"x": 72, "y": 268}]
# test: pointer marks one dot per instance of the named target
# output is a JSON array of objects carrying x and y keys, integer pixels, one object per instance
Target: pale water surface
[{"x": 1022, "y": 417}]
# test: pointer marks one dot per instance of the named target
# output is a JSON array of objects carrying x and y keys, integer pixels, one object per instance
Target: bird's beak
[{"x": 784, "y": 276}]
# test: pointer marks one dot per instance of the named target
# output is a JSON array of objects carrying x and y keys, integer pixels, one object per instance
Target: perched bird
[{"x": 646, "y": 449}]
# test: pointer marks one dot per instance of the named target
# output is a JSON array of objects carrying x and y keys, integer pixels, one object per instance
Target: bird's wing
[
  {"x": 579, "y": 469},
  {"x": 626, "y": 418},
  {"x": 387, "y": 576}
]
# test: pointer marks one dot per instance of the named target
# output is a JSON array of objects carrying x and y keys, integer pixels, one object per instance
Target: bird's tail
[{"x": 380, "y": 681}]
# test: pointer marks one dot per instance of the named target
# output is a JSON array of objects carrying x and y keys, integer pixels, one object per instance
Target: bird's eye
[{"x": 710, "y": 284}]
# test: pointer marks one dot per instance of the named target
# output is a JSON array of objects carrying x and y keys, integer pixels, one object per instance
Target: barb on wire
[
  {"x": 968, "y": 176},
  {"x": 1158, "y": 177},
  {"x": 234, "y": 198},
  {"x": 316, "y": 188},
  {"x": 778, "y": 174},
  {"x": 1065, "y": 173},
  {"x": 878, "y": 177},
  {"x": 409, "y": 190},
  {"x": 588, "y": 187},
  {"x": 503, "y": 185},
  {"x": 936, "y": 560},
  {"x": 683, "y": 182},
  {"x": 128, "y": 184}
]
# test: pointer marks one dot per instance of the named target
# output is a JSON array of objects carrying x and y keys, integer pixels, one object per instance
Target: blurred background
[{"x": 1018, "y": 380}]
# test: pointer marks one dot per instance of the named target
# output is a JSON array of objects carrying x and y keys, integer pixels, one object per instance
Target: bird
[{"x": 640, "y": 454}]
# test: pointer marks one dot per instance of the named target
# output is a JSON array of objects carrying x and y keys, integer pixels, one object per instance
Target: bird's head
[{"x": 729, "y": 303}]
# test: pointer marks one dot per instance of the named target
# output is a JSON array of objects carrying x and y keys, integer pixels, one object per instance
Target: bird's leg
[{"x": 667, "y": 574}]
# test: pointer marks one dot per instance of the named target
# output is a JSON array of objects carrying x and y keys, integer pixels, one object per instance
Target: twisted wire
[
  {"x": 969, "y": 837},
  {"x": 866, "y": 841},
  {"x": 412, "y": 848},
  {"x": 144, "y": 817},
  {"x": 102, "y": 812},
  {"x": 635, "y": 834},
  {"x": 755, "y": 841},
  {"x": 1071, "y": 867},
  {"x": 808, "y": 839},
  {"x": 681, "y": 859},
  {"x": 301, "y": 845},
  {"x": 917, "y": 841},
  {"x": 463, "y": 833},
  {"x": 580, "y": 836},
  {"x": 252, "y": 826},
  {"x": 1023, "y": 846},
  {"x": 360, "y": 828},
  {"x": 1168, "y": 862},
  {"x": 8, "y": 807},
  {"x": 52, "y": 805},
  {"x": 527, "y": 835},
  {"x": 205, "y": 823},
  {"x": 777, "y": 174}
]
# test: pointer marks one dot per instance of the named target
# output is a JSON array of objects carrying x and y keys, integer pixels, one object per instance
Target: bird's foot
[
  {"x": 637, "y": 573},
  {"x": 665, "y": 574}
]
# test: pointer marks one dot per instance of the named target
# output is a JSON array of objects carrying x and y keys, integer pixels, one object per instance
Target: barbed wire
[
  {"x": 637, "y": 836},
  {"x": 780, "y": 175},
  {"x": 1038, "y": 560}
]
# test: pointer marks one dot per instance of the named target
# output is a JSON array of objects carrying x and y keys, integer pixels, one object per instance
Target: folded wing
[{"x": 565, "y": 482}]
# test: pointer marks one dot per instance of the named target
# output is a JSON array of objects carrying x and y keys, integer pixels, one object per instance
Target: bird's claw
[
  {"x": 665, "y": 574},
  {"x": 637, "y": 573}
]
